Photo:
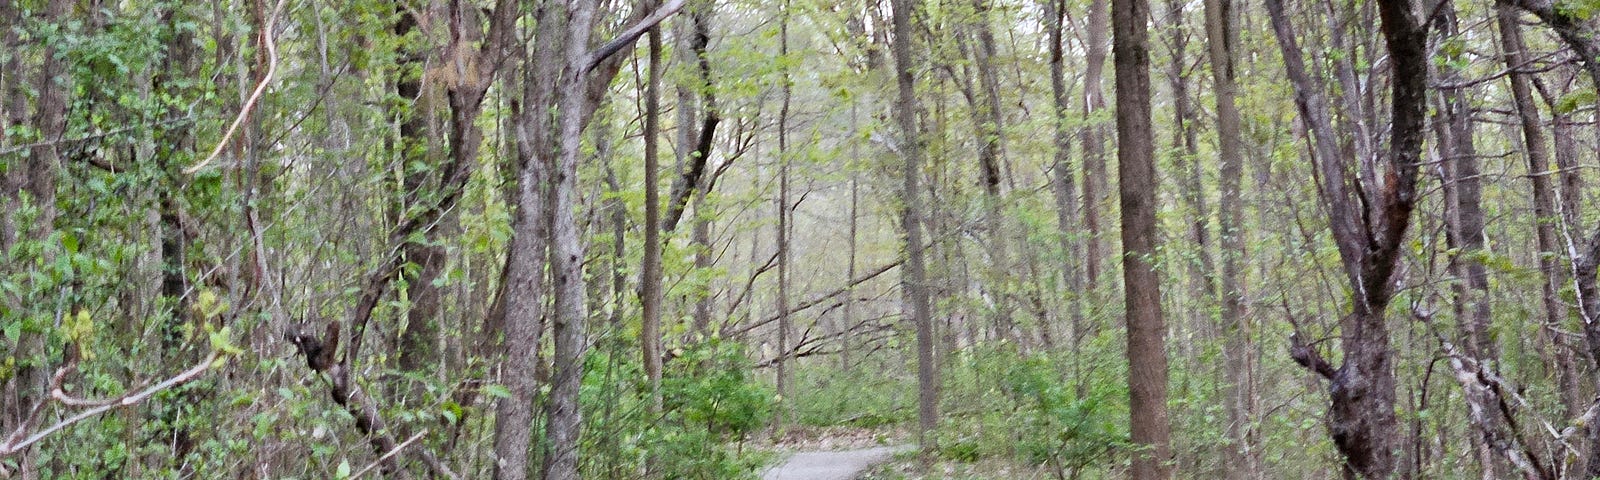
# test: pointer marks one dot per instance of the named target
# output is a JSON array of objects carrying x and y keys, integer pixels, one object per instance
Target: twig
[
  {"x": 255, "y": 96},
  {"x": 12, "y": 445},
  {"x": 391, "y": 453}
]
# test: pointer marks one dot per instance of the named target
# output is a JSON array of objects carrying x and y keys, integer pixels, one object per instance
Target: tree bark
[
  {"x": 991, "y": 132},
  {"x": 1222, "y": 42},
  {"x": 565, "y": 417},
  {"x": 522, "y": 304},
  {"x": 650, "y": 283},
  {"x": 1546, "y": 217},
  {"x": 782, "y": 209},
  {"x": 1499, "y": 448},
  {"x": 1147, "y": 356},
  {"x": 1368, "y": 233},
  {"x": 1062, "y": 185},
  {"x": 34, "y": 179},
  {"x": 1093, "y": 138},
  {"x": 914, "y": 280}
]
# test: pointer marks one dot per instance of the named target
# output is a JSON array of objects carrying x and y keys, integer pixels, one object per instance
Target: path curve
[{"x": 840, "y": 465}]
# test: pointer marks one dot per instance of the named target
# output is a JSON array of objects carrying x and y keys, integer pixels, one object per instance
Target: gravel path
[{"x": 840, "y": 465}]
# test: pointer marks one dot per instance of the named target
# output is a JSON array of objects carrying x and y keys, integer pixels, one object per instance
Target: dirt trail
[{"x": 840, "y": 465}]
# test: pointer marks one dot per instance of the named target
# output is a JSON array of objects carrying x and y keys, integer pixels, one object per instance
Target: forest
[{"x": 703, "y": 239}]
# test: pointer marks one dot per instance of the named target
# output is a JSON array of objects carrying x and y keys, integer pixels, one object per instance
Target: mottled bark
[{"x": 1368, "y": 233}]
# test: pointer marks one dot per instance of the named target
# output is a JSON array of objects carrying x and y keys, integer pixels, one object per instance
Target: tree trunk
[
  {"x": 35, "y": 180},
  {"x": 1544, "y": 210},
  {"x": 1136, "y": 174},
  {"x": 1222, "y": 40},
  {"x": 1093, "y": 141},
  {"x": 522, "y": 302},
  {"x": 782, "y": 204},
  {"x": 1185, "y": 148},
  {"x": 1361, "y": 416},
  {"x": 420, "y": 331},
  {"x": 650, "y": 281},
  {"x": 1062, "y": 185},
  {"x": 914, "y": 279},
  {"x": 565, "y": 417},
  {"x": 991, "y": 132}
]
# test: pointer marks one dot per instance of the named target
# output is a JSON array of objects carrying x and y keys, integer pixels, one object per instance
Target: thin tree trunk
[
  {"x": 1093, "y": 140},
  {"x": 1498, "y": 447},
  {"x": 1062, "y": 182},
  {"x": 782, "y": 204},
  {"x": 991, "y": 149},
  {"x": 1546, "y": 216},
  {"x": 650, "y": 283},
  {"x": 848, "y": 321},
  {"x": 914, "y": 280},
  {"x": 1222, "y": 42},
  {"x": 1202, "y": 268},
  {"x": 1147, "y": 356}
]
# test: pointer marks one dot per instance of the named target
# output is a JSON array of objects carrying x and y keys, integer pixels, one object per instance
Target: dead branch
[
  {"x": 20, "y": 439},
  {"x": 255, "y": 95}
]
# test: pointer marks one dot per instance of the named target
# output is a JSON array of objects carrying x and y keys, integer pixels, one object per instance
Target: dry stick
[
  {"x": 389, "y": 455},
  {"x": 12, "y": 445},
  {"x": 255, "y": 96}
]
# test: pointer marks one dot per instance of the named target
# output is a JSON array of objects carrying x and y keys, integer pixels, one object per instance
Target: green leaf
[
  {"x": 497, "y": 391},
  {"x": 69, "y": 242},
  {"x": 344, "y": 469}
]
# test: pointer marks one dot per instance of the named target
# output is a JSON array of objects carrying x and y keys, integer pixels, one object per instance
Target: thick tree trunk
[
  {"x": 1136, "y": 174},
  {"x": 914, "y": 279},
  {"x": 522, "y": 303},
  {"x": 564, "y": 415},
  {"x": 1361, "y": 414}
]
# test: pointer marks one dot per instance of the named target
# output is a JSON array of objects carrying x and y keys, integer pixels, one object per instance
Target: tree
[
  {"x": 1222, "y": 43},
  {"x": 914, "y": 277},
  {"x": 1368, "y": 222},
  {"x": 1147, "y": 356}
]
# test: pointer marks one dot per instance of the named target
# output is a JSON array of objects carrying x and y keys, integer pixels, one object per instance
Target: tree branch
[{"x": 632, "y": 34}]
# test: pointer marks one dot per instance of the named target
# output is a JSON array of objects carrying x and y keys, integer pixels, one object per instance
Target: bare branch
[
  {"x": 255, "y": 96},
  {"x": 630, "y": 35},
  {"x": 15, "y": 442}
]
